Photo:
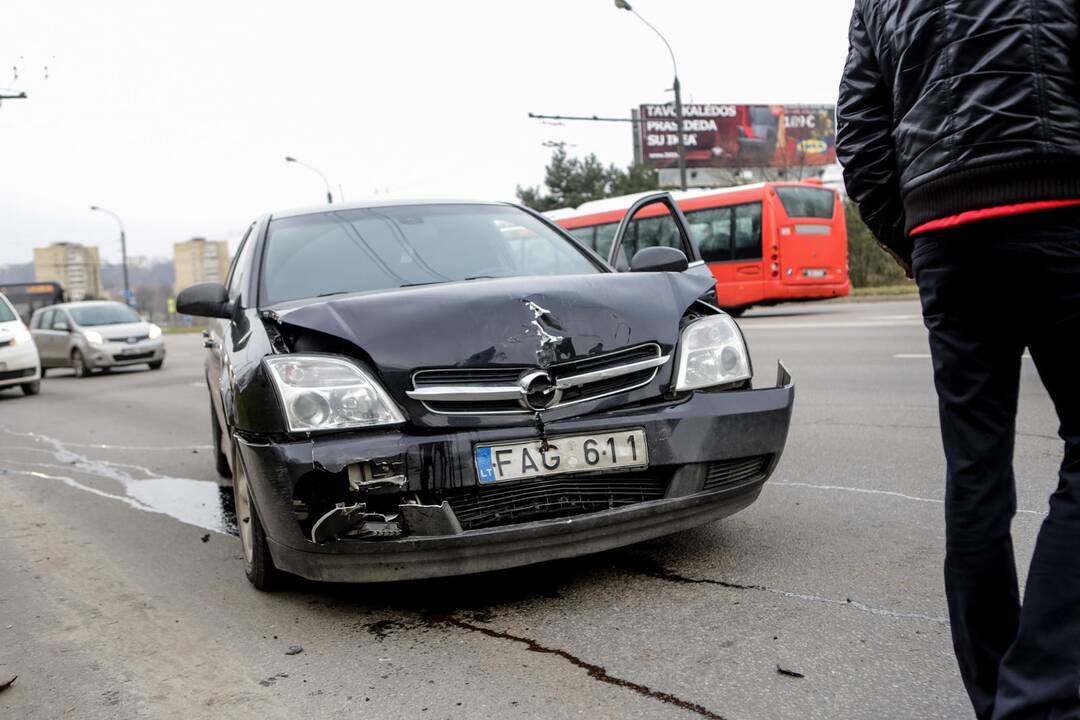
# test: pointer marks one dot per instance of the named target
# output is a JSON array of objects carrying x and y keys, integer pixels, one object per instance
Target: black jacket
[{"x": 953, "y": 106}]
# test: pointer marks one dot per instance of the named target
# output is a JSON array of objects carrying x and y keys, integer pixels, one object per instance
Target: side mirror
[
  {"x": 205, "y": 300},
  {"x": 659, "y": 259}
]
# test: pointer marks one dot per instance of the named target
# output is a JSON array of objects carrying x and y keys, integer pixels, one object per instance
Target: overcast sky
[{"x": 177, "y": 115}]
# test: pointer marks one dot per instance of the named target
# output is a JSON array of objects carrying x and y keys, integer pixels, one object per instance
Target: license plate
[
  {"x": 564, "y": 454},
  {"x": 130, "y": 351},
  {"x": 814, "y": 273}
]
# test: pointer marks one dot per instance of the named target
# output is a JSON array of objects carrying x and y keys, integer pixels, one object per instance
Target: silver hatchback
[{"x": 91, "y": 335}]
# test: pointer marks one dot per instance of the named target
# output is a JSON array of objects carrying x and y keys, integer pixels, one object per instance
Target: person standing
[{"x": 958, "y": 126}]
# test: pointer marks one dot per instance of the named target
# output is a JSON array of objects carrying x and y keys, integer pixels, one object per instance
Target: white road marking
[
  {"x": 830, "y": 325},
  {"x": 106, "y": 446},
  {"x": 888, "y": 493},
  {"x": 926, "y": 356}
]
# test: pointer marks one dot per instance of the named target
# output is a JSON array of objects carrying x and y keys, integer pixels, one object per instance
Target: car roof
[{"x": 316, "y": 209}]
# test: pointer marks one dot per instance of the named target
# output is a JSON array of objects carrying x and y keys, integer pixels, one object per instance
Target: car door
[
  {"x": 219, "y": 336},
  {"x": 60, "y": 338},
  {"x": 669, "y": 230},
  {"x": 46, "y": 338}
]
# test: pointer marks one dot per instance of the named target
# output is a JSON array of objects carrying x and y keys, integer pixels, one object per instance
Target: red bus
[{"x": 765, "y": 243}]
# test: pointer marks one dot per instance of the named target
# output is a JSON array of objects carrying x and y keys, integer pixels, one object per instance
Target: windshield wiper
[
  {"x": 429, "y": 282},
  {"x": 334, "y": 292}
]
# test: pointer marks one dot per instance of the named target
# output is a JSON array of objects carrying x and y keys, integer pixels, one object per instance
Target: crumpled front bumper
[{"x": 707, "y": 427}]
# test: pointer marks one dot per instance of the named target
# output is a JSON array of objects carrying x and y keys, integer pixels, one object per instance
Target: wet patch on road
[{"x": 201, "y": 503}]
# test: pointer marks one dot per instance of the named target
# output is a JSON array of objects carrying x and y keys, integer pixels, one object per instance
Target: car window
[
  {"x": 46, "y": 319},
  {"x": 240, "y": 265},
  {"x": 60, "y": 321},
  {"x": 660, "y": 231},
  {"x": 104, "y": 314},
  {"x": 381, "y": 248},
  {"x": 6, "y": 313}
]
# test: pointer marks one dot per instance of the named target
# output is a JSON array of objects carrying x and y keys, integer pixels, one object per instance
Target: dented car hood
[{"x": 521, "y": 321}]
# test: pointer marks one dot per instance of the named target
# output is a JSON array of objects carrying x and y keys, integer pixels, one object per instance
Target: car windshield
[
  {"x": 5, "y": 312},
  {"x": 110, "y": 314},
  {"x": 390, "y": 247}
]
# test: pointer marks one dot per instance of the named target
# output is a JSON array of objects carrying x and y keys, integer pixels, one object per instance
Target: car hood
[
  {"x": 533, "y": 321},
  {"x": 121, "y": 331}
]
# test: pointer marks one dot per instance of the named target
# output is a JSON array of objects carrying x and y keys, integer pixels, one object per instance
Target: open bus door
[{"x": 669, "y": 230}]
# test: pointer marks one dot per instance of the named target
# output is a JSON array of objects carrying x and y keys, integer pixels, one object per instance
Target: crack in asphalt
[
  {"x": 596, "y": 672},
  {"x": 649, "y": 568}
]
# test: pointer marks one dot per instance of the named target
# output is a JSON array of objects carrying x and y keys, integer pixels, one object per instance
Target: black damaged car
[{"x": 412, "y": 390}]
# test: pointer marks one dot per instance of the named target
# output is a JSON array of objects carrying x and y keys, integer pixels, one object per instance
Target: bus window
[
  {"x": 806, "y": 202},
  {"x": 748, "y": 232},
  {"x": 586, "y": 236},
  {"x": 605, "y": 234},
  {"x": 711, "y": 229}
]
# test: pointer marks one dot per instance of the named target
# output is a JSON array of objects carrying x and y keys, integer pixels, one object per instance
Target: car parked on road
[
  {"x": 19, "y": 363},
  {"x": 95, "y": 335},
  {"x": 409, "y": 390}
]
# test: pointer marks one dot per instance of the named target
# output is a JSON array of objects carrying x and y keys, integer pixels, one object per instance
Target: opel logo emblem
[{"x": 539, "y": 391}]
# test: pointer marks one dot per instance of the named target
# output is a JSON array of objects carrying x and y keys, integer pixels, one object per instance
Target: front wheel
[
  {"x": 78, "y": 364},
  {"x": 156, "y": 365},
  {"x": 258, "y": 565},
  {"x": 31, "y": 388}
]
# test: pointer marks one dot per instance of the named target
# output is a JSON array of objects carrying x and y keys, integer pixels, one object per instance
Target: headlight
[
  {"x": 93, "y": 337},
  {"x": 154, "y": 332},
  {"x": 21, "y": 337},
  {"x": 711, "y": 352},
  {"x": 326, "y": 393}
]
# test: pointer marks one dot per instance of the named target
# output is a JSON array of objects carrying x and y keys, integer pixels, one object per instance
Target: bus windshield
[{"x": 806, "y": 202}]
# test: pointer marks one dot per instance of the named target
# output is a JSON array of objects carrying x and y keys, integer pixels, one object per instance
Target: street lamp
[
  {"x": 123, "y": 250},
  {"x": 623, "y": 5},
  {"x": 329, "y": 196}
]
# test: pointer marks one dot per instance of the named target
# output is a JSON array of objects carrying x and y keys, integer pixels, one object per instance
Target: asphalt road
[{"x": 122, "y": 595}]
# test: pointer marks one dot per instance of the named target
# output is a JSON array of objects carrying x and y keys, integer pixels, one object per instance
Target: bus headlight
[
  {"x": 320, "y": 392},
  {"x": 711, "y": 352}
]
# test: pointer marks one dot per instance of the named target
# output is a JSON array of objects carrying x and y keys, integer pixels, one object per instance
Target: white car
[{"x": 19, "y": 361}]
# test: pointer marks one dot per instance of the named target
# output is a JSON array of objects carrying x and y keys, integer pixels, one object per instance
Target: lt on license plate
[
  {"x": 564, "y": 454},
  {"x": 815, "y": 273}
]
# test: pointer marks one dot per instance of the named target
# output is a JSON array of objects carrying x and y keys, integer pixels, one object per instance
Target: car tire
[
  {"x": 44, "y": 370},
  {"x": 258, "y": 565},
  {"x": 31, "y": 388},
  {"x": 221, "y": 461},
  {"x": 156, "y": 365},
  {"x": 78, "y": 364}
]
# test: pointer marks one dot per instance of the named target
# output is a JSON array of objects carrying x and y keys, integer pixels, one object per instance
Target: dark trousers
[{"x": 989, "y": 290}]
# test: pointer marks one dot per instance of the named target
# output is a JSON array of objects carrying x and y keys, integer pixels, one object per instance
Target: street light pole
[
  {"x": 329, "y": 195},
  {"x": 123, "y": 251},
  {"x": 681, "y": 148}
]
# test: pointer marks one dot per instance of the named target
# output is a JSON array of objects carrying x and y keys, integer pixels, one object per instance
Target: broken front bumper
[{"x": 685, "y": 439}]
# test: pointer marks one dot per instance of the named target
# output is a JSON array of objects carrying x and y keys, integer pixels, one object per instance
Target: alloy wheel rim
[{"x": 243, "y": 513}]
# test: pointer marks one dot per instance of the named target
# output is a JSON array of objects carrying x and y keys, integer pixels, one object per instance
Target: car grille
[
  {"x": 728, "y": 473},
  {"x": 488, "y": 505},
  {"x": 127, "y": 338},
  {"x": 589, "y": 378},
  {"x": 136, "y": 356},
  {"x": 12, "y": 374}
]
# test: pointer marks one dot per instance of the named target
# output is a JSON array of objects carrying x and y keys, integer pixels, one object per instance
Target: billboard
[{"x": 734, "y": 136}]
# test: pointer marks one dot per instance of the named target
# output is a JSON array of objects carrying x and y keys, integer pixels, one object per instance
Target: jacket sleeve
[{"x": 864, "y": 144}]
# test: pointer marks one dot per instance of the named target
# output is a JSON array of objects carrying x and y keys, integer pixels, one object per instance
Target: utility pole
[
  {"x": 123, "y": 251},
  {"x": 329, "y": 195},
  {"x": 623, "y": 5}
]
